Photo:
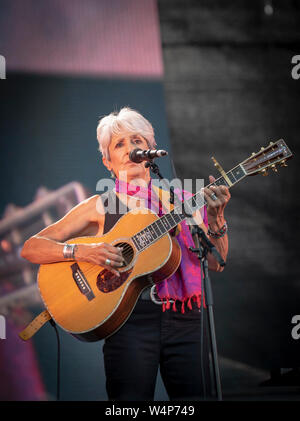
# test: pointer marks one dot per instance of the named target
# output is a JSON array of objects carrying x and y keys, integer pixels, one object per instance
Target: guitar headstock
[{"x": 274, "y": 154}]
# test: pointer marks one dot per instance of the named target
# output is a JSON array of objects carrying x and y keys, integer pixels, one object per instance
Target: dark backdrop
[
  {"x": 229, "y": 91},
  {"x": 48, "y": 129}
]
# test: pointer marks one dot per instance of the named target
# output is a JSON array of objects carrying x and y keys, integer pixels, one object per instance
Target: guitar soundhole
[
  {"x": 106, "y": 280},
  {"x": 127, "y": 252}
]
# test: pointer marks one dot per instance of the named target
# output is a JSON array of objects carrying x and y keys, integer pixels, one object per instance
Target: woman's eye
[
  {"x": 118, "y": 145},
  {"x": 137, "y": 141}
]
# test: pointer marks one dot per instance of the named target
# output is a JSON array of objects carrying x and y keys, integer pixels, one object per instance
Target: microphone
[{"x": 138, "y": 155}]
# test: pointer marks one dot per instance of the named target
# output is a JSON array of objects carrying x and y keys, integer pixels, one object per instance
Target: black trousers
[{"x": 151, "y": 339}]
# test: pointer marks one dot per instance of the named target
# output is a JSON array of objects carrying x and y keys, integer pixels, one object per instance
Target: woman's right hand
[{"x": 97, "y": 253}]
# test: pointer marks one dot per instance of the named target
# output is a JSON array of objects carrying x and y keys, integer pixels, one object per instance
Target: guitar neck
[
  {"x": 267, "y": 158},
  {"x": 182, "y": 211}
]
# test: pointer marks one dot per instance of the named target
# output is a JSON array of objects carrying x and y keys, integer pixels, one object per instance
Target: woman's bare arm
[{"x": 47, "y": 245}]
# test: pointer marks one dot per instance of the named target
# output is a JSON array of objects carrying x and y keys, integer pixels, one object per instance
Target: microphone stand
[
  {"x": 202, "y": 247},
  {"x": 155, "y": 169}
]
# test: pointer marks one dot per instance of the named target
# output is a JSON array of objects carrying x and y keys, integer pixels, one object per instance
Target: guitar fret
[
  {"x": 238, "y": 172},
  {"x": 165, "y": 223},
  {"x": 231, "y": 177},
  {"x": 221, "y": 182},
  {"x": 170, "y": 220},
  {"x": 137, "y": 243},
  {"x": 176, "y": 217},
  {"x": 153, "y": 232},
  {"x": 150, "y": 236},
  {"x": 157, "y": 229},
  {"x": 161, "y": 226},
  {"x": 174, "y": 223},
  {"x": 143, "y": 238},
  {"x": 147, "y": 236}
]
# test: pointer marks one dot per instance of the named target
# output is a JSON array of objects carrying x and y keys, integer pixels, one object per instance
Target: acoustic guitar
[{"x": 90, "y": 302}]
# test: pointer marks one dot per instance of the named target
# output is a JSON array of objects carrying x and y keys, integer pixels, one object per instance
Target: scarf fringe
[
  {"x": 174, "y": 306},
  {"x": 166, "y": 305},
  {"x": 182, "y": 308}
]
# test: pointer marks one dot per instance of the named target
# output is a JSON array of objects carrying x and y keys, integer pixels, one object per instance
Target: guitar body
[{"x": 90, "y": 302}]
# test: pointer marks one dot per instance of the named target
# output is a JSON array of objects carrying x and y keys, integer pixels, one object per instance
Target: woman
[{"x": 150, "y": 337}]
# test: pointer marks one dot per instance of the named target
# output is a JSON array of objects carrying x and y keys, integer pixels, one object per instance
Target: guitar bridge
[{"x": 82, "y": 282}]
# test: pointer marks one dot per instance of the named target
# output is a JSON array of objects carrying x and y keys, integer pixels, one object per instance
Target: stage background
[{"x": 222, "y": 70}]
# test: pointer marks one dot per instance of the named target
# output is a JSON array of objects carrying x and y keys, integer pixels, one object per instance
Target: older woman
[{"x": 150, "y": 337}]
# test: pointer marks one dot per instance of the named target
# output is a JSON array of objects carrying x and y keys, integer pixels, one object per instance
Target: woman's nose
[{"x": 130, "y": 147}]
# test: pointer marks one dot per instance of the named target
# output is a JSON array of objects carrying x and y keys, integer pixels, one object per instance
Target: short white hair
[{"x": 128, "y": 120}]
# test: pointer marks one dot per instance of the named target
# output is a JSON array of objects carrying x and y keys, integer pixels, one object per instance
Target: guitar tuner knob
[
  {"x": 253, "y": 153},
  {"x": 262, "y": 148},
  {"x": 264, "y": 172},
  {"x": 274, "y": 168},
  {"x": 271, "y": 143},
  {"x": 283, "y": 163}
]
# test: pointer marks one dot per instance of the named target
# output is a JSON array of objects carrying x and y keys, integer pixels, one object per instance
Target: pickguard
[{"x": 108, "y": 281}]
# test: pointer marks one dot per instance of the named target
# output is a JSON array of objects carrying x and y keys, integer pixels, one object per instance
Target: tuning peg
[
  {"x": 264, "y": 172},
  {"x": 271, "y": 143},
  {"x": 283, "y": 163},
  {"x": 274, "y": 168},
  {"x": 253, "y": 153},
  {"x": 262, "y": 148}
]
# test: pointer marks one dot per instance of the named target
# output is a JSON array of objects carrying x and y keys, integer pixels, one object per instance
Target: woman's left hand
[{"x": 217, "y": 198}]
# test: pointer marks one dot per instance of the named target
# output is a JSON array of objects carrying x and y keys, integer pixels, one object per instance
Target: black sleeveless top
[
  {"x": 113, "y": 200},
  {"x": 111, "y": 219}
]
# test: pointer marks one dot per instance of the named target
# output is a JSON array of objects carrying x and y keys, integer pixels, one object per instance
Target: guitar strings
[{"x": 126, "y": 252}]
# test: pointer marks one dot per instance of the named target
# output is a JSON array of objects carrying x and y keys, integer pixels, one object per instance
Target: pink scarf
[{"x": 185, "y": 284}]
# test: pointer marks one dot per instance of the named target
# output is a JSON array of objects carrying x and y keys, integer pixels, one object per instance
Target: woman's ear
[{"x": 106, "y": 163}]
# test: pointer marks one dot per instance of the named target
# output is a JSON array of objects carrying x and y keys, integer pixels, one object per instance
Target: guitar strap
[{"x": 35, "y": 325}]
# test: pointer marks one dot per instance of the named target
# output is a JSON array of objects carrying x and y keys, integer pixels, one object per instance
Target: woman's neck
[{"x": 134, "y": 181}]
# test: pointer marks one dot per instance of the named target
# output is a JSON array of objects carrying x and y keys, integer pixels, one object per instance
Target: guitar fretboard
[{"x": 182, "y": 211}]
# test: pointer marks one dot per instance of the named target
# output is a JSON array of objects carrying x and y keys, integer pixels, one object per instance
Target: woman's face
[{"x": 119, "y": 149}]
